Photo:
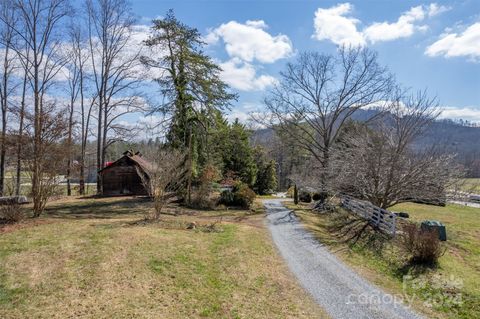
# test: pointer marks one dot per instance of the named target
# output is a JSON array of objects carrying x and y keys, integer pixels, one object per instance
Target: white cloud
[
  {"x": 241, "y": 115},
  {"x": 242, "y": 76},
  {"x": 251, "y": 42},
  {"x": 403, "y": 28},
  {"x": 245, "y": 112},
  {"x": 334, "y": 24},
  {"x": 450, "y": 44},
  {"x": 337, "y": 25},
  {"x": 435, "y": 9},
  {"x": 465, "y": 113}
]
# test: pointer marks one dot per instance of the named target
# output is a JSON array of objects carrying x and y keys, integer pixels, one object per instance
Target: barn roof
[
  {"x": 143, "y": 163},
  {"x": 137, "y": 158}
]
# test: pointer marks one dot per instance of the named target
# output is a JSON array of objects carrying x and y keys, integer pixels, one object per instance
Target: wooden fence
[{"x": 379, "y": 217}]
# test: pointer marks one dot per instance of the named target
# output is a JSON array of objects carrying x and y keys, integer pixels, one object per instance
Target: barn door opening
[{"x": 125, "y": 187}]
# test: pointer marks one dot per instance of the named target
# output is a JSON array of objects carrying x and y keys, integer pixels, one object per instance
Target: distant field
[
  {"x": 471, "y": 185},
  {"x": 61, "y": 190},
  {"x": 460, "y": 263},
  {"x": 95, "y": 258}
]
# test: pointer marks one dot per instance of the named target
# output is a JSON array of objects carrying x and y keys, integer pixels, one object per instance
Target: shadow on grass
[
  {"x": 413, "y": 269},
  {"x": 98, "y": 208}
]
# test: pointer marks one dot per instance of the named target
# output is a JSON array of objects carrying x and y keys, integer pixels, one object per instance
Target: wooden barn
[{"x": 122, "y": 177}]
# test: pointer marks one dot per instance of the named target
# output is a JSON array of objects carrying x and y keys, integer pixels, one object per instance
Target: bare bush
[
  {"x": 423, "y": 245},
  {"x": 164, "y": 180},
  {"x": 11, "y": 213}
]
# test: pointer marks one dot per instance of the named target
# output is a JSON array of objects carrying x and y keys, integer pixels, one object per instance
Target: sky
[{"x": 427, "y": 45}]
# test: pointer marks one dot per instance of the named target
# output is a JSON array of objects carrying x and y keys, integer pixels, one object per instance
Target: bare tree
[
  {"x": 21, "y": 122},
  {"x": 54, "y": 152},
  {"x": 80, "y": 107},
  {"x": 81, "y": 57},
  {"x": 37, "y": 27},
  {"x": 73, "y": 88},
  {"x": 318, "y": 93},
  {"x": 114, "y": 66},
  {"x": 379, "y": 163},
  {"x": 7, "y": 38},
  {"x": 164, "y": 180}
]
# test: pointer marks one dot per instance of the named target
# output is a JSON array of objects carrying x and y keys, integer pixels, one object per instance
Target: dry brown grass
[{"x": 93, "y": 259}]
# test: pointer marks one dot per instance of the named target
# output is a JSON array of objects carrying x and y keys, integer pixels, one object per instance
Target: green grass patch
[{"x": 96, "y": 258}]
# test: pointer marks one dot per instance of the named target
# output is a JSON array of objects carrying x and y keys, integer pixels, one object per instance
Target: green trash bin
[{"x": 437, "y": 226}]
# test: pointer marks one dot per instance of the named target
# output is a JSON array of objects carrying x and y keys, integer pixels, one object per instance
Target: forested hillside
[{"x": 459, "y": 137}]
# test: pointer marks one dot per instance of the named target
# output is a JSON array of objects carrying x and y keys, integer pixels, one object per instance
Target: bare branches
[
  {"x": 378, "y": 162},
  {"x": 318, "y": 93},
  {"x": 38, "y": 50},
  {"x": 115, "y": 67},
  {"x": 164, "y": 179}
]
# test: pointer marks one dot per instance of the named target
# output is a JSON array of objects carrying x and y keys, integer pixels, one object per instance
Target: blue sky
[{"x": 433, "y": 45}]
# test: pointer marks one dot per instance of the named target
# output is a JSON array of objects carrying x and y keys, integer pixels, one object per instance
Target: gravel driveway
[{"x": 335, "y": 287}]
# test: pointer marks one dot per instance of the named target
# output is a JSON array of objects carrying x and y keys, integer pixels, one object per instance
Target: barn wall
[{"x": 122, "y": 179}]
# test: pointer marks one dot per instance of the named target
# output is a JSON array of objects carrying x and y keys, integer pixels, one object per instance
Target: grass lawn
[
  {"x": 95, "y": 258},
  {"x": 431, "y": 291},
  {"x": 470, "y": 185}
]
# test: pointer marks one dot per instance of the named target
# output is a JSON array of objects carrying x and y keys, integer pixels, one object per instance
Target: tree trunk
[
  {"x": 81, "y": 187},
  {"x": 2, "y": 146},
  {"x": 20, "y": 137},
  {"x": 36, "y": 145},
  {"x": 69, "y": 141},
  {"x": 84, "y": 134},
  {"x": 190, "y": 168},
  {"x": 4, "y": 122},
  {"x": 325, "y": 167},
  {"x": 99, "y": 146}
]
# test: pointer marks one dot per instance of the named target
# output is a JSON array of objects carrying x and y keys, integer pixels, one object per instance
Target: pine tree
[
  {"x": 266, "y": 180},
  {"x": 270, "y": 176},
  {"x": 192, "y": 90},
  {"x": 238, "y": 156}
]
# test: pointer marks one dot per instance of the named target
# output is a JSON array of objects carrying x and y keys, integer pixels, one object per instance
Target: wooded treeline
[{"x": 71, "y": 74}]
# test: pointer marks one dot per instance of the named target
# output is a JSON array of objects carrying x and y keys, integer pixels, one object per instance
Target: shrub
[
  {"x": 305, "y": 197},
  {"x": 203, "y": 195},
  {"x": 423, "y": 245},
  {"x": 11, "y": 213},
  {"x": 226, "y": 198},
  {"x": 244, "y": 196},
  {"x": 241, "y": 196},
  {"x": 320, "y": 196},
  {"x": 201, "y": 200}
]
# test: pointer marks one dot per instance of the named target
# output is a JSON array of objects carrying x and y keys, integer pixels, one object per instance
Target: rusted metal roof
[{"x": 137, "y": 158}]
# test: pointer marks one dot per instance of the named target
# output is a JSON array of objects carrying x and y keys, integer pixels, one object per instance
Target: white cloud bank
[
  {"x": 248, "y": 43},
  {"x": 466, "y": 113},
  {"x": 466, "y": 44},
  {"x": 242, "y": 76},
  {"x": 337, "y": 25},
  {"x": 251, "y": 42}
]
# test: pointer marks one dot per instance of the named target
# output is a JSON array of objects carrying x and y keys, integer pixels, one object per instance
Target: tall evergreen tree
[
  {"x": 266, "y": 180},
  {"x": 192, "y": 91},
  {"x": 238, "y": 157}
]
